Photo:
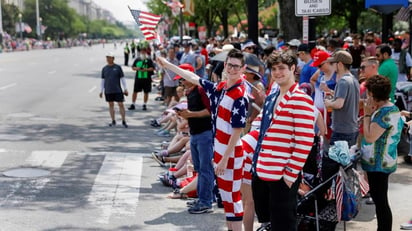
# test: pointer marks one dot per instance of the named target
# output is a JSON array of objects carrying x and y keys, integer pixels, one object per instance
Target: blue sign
[{"x": 386, "y": 6}]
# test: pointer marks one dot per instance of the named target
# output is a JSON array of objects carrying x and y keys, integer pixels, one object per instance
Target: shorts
[
  {"x": 144, "y": 85},
  {"x": 114, "y": 97},
  {"x": 170, "y": 91}
]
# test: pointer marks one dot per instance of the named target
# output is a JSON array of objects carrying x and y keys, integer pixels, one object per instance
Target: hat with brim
[
  {"x": 254, "y": 70},
  {"x": 110, "y": 54},
  {"x": 341, "y": 56},
  {"x": 248, "y": 44},
  {"x": 184, "y": 66},
  {"x": 320, "y": 58}
]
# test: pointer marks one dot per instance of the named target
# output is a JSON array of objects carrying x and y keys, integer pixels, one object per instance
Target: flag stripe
[{"x": 147, "y": 23}]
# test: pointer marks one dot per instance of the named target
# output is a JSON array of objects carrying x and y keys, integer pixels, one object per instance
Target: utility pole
[
  {"x": 1, "y": 21},
  {"x": 20, "y": 26},
  {"x": 252, "y": 21},
  {"x": 38, "y": 29}
]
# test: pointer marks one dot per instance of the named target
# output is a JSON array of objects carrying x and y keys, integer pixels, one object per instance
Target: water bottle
[{"x": 189, "y": 169}]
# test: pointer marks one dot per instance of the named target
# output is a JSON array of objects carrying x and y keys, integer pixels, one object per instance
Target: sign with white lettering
[{"x": 312, "y": 7}]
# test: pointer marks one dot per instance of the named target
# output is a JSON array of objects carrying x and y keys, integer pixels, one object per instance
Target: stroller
[
  {"x": 403, "y": 95},
  {"x": 317, "y": 209}
]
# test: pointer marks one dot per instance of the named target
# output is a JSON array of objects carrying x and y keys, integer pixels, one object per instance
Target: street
[{"x": 99, "y": 177}]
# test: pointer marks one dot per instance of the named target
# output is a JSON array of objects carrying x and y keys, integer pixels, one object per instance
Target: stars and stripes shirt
[
  {"x": 286, "y": 136},
  {"x": 228, "y": 111}
]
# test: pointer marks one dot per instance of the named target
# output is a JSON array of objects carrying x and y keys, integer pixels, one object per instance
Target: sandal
[
  {"x": 176, "y": 194},
  {"x": 158, "y": 159}
]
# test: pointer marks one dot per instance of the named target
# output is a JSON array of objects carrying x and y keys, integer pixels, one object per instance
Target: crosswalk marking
[
  {"x": 47, "y": 159},
  {"x": 116, "y": 186},
  {"x": 51, "y": 159}
]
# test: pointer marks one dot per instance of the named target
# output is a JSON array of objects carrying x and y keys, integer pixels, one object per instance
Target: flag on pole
[
  {"x": 147, "y": 22},
  {"x": 174, "y": 6}
]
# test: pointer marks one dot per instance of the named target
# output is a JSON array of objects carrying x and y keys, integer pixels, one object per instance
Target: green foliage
[
  {"x": 61, "y": 21},
  {"x": 10, "y": 17}
]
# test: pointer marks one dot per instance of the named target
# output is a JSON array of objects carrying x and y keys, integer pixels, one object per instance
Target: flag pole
[{"x": 181, "y": 24}]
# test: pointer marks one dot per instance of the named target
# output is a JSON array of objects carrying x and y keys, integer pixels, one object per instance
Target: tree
[
  {"x": 291, "y": 26},
  {"x": 61, "y": 20},
  {"x": 10, "y": 14}
]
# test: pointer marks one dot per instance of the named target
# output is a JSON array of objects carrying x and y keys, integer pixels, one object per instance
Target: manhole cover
[{"x": 26, "y": 172}]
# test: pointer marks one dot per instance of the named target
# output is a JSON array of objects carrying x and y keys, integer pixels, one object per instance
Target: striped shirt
[{"x": 286, "y": 136}]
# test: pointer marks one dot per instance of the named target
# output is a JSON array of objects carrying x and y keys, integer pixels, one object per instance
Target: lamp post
[
  {"x": 20, "y": 26},
  {"x": 40, "y": 30}
]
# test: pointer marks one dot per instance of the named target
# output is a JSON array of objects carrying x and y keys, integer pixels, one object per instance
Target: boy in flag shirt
[{"x": 229, "y": 105}]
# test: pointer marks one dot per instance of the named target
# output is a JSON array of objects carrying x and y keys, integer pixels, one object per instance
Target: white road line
[
  {"x": 92, "y": 89},
  {"x": 48, "y": 159},
  {"x": 51, "y": 72},
  {"x": 116, "y": 187},
  {"x": 8, "y": 86}
]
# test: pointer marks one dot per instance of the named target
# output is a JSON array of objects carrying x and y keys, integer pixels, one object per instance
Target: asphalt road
[{"x": 100, "y": 178}]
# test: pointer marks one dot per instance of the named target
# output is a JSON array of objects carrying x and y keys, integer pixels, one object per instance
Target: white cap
[
  {"x": 109, "y": 54},
  {"x": 294, "y": 42},
  {"x": 227, "y": 47}
]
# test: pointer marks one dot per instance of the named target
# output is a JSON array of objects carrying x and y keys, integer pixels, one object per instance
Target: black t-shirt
[
  {"x": 111, "y": 75},
  {"x": 143, "y": 63},
  {"x": 195, "y": 103}
]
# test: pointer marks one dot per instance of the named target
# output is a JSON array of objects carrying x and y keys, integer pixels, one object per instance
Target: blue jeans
[
  {"x": 349, "y": 137},
  {"x": 201, "y": 146}
]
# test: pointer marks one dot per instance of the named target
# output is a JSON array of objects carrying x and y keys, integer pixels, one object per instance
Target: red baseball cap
[
  {"x": 184, "y": 66},
  {"x": 319, "y": 58}
]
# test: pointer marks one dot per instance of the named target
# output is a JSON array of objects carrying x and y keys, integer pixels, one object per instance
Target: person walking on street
[
  {"x": 111, "y": 85},
  {"x": 126, "y": 52},
  {"x": 285, "y": 139},
  {"x": 144, "y": 68},
  {"x": 229, "y": 104}
]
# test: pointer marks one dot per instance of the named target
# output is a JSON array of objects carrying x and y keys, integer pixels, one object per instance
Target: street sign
[{"x": 312, "y": 7}]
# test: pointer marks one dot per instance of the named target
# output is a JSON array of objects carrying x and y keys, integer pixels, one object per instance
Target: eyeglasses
[
  {"x": 233, "y": 66},
  {"x": 363, "y": 67}
]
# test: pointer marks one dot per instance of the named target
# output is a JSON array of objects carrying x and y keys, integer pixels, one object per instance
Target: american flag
[
  {"x": 175, "y": 6},
  {"x": 339, "y": 195},
  {"x": 147, "y": 22},
  {"x": 403, "y": 14}
]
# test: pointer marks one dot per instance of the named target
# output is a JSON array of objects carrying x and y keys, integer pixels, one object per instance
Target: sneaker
[
  {"x": 113, "y": 123},
  {"x": 199, "y": 209},
  {"x": 158, "y": 159},
  {"x": 132, "y": 107},
  {"x": 163, "y": 133},
  {"x": 407, "y": 226},
  {"x": 369, "y": 201},
  {"x": 125, "y": 124},
  {"x": 192, "y": 203},
  {"x": 155, "y": 124},
  {"x": 265, "y": 227}
]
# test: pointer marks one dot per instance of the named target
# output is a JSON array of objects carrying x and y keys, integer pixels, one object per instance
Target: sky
[{"x": 119, "y": 8}]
